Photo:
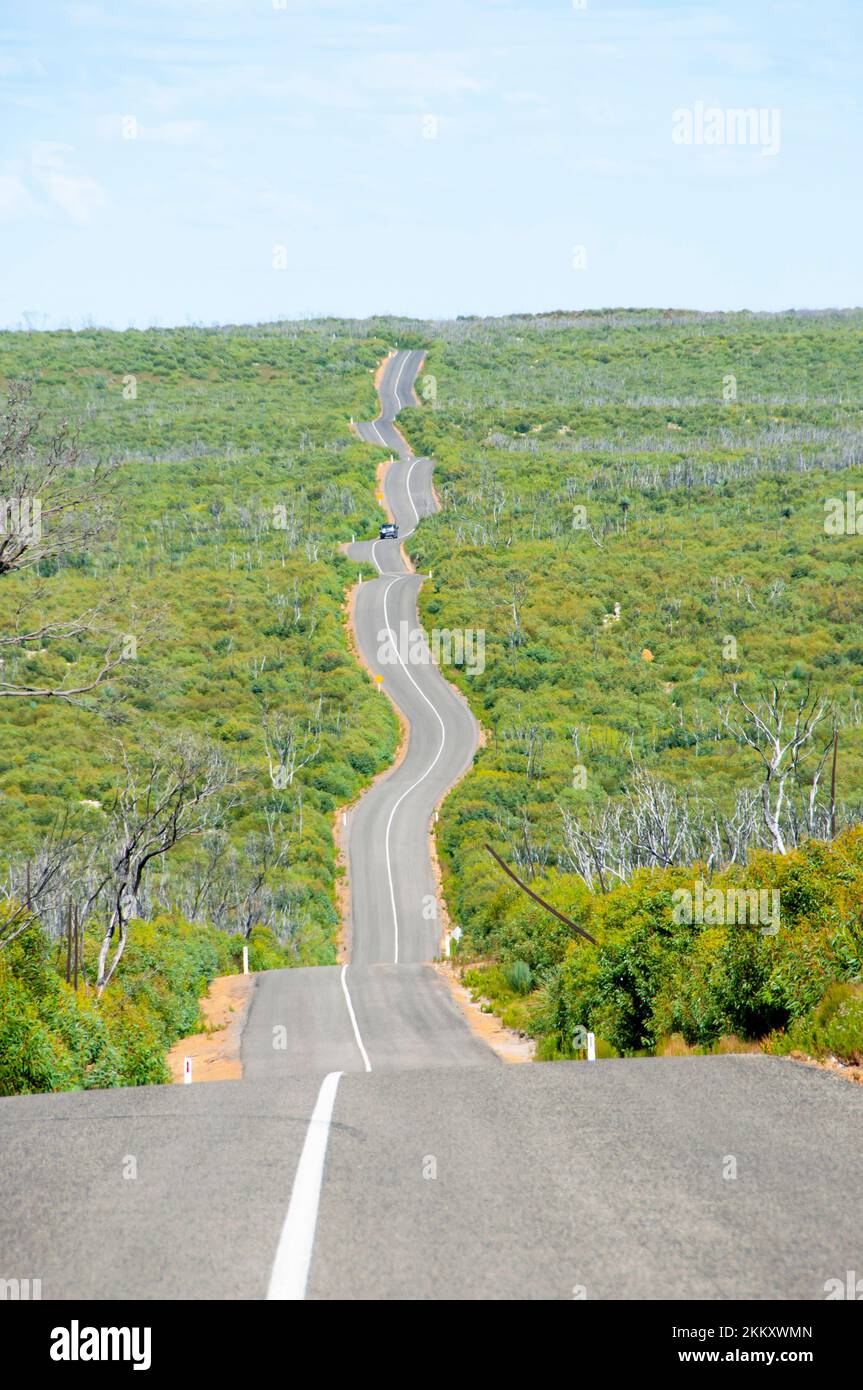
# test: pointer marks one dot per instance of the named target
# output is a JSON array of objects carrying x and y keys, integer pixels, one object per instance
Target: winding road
[
  {"x": 382, "y": 1151},
  {"x": 388, "y": 1008}
]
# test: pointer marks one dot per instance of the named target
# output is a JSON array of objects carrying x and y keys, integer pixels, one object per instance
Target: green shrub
[
  {"x": 53, "y": 1038},
  {"x": 650, "y": 979},
  {"x": 834, "y": 1027},
  {"x": 518, "y": 976}
]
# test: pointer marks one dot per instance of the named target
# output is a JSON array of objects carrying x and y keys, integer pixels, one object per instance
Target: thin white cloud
[
  {"x": 78, "y": 196},
  {"x": 49, "y": 178},
  {"x": 175, "y": 132},
  {"x": 88, "y": 15},
  {"x": 438, "y": 74},
  {"x": 25, "y": 65},
  {"x": 15, "y": 200},
  {"x": 128, "y": 126}
]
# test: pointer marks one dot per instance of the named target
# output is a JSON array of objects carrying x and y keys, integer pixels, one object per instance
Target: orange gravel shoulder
[
  {"x": 509, "y": 1046},
  {"x": 847, "y": 1072},
  {"x": 215, "y": 1053},
  {"x": 379, "y": 374}
]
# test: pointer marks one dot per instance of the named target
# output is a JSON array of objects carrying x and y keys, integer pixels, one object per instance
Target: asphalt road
[
  {"x": 394, "y": 910},
  {"x": 376, "y": 1150},
  {"x": 355, "y": 1018},
  {"x": 470, "y": 1182},
  {"x": 388, "y": 1008}
]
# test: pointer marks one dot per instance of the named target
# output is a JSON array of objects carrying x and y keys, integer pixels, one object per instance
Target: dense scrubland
[
  {"x": 204, "y": 583},
  {"x": 633, "y": 507},
  {"x": 633, "y": 510}
]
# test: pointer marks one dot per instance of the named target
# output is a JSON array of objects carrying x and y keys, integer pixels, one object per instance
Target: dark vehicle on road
[{"x": 389, "y": 531}]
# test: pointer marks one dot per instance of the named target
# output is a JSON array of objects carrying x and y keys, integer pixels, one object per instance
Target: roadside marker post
[
  {"x": 447, "y": 941},
  {"x": 187, "y": 1071},
  {"x": 245, "y": 960},
  {"x": 591, "y": 1047}
]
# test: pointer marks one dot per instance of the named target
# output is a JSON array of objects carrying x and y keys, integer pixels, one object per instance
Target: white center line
[
  {"x": 433, "y": 709},
  {"x": 353, "y": 1018},
  {"x": 413, "y": 785},
  {"x": 410, "y": 495},
  {"x": 290, "y": 1273},
  {"x": 398, "y": 379}
]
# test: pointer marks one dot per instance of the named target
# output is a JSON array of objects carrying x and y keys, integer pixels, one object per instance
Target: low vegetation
[
  {"x": 56, "y": 1038},
  {"x": 654, "y": 983},
  {"x": 642, "y": 511},
  {"x": 180, "y": 713},
  {"x": 655, "y": 520}
]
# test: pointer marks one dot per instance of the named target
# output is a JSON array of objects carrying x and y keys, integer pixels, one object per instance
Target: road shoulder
[{"x": 215, "y": 1053}]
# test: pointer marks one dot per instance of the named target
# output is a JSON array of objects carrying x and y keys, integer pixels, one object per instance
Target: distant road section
[
  {"x": 388, "y": 1009},
  {"x": 393, "y": 895}
]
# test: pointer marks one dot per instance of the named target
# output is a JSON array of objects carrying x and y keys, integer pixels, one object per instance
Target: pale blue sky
[{"x": 305, "y": 126}]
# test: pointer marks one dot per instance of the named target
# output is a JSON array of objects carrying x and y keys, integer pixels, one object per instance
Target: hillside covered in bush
[
  {"x": 653, "y": 519},
  {"x": 640, "y": 509},
  {"x": 180, "y": 712},
  {"x": 212, "y": 589},
  {"x": 653, "y": 983}
]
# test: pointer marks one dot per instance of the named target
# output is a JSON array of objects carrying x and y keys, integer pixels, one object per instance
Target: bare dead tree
[
  {"x": 54, "y": 500},
  {"x": 33, "y": 888},
  {"x": 517, "y": 591},
  {"x": 95, "y": 628},
  {"x": 780, "y": 731},
  {"x": 529, "y": 739},
  {"x": 660, "y": 821},
  {"x": 181, "y": 791},
  {"x": 112, "y": 656},
  {"x": 234, "y": 888},
  {"x": 815, "y": 822},
  {"x": 736, "y": 830},
  {"x": 596, "y": 847},
  {"x": 657, "y": 825},
  {"x": 204, "y": 887},
  {"x": 255, "y": 904},
  {"x": 292, "y": 742}
]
